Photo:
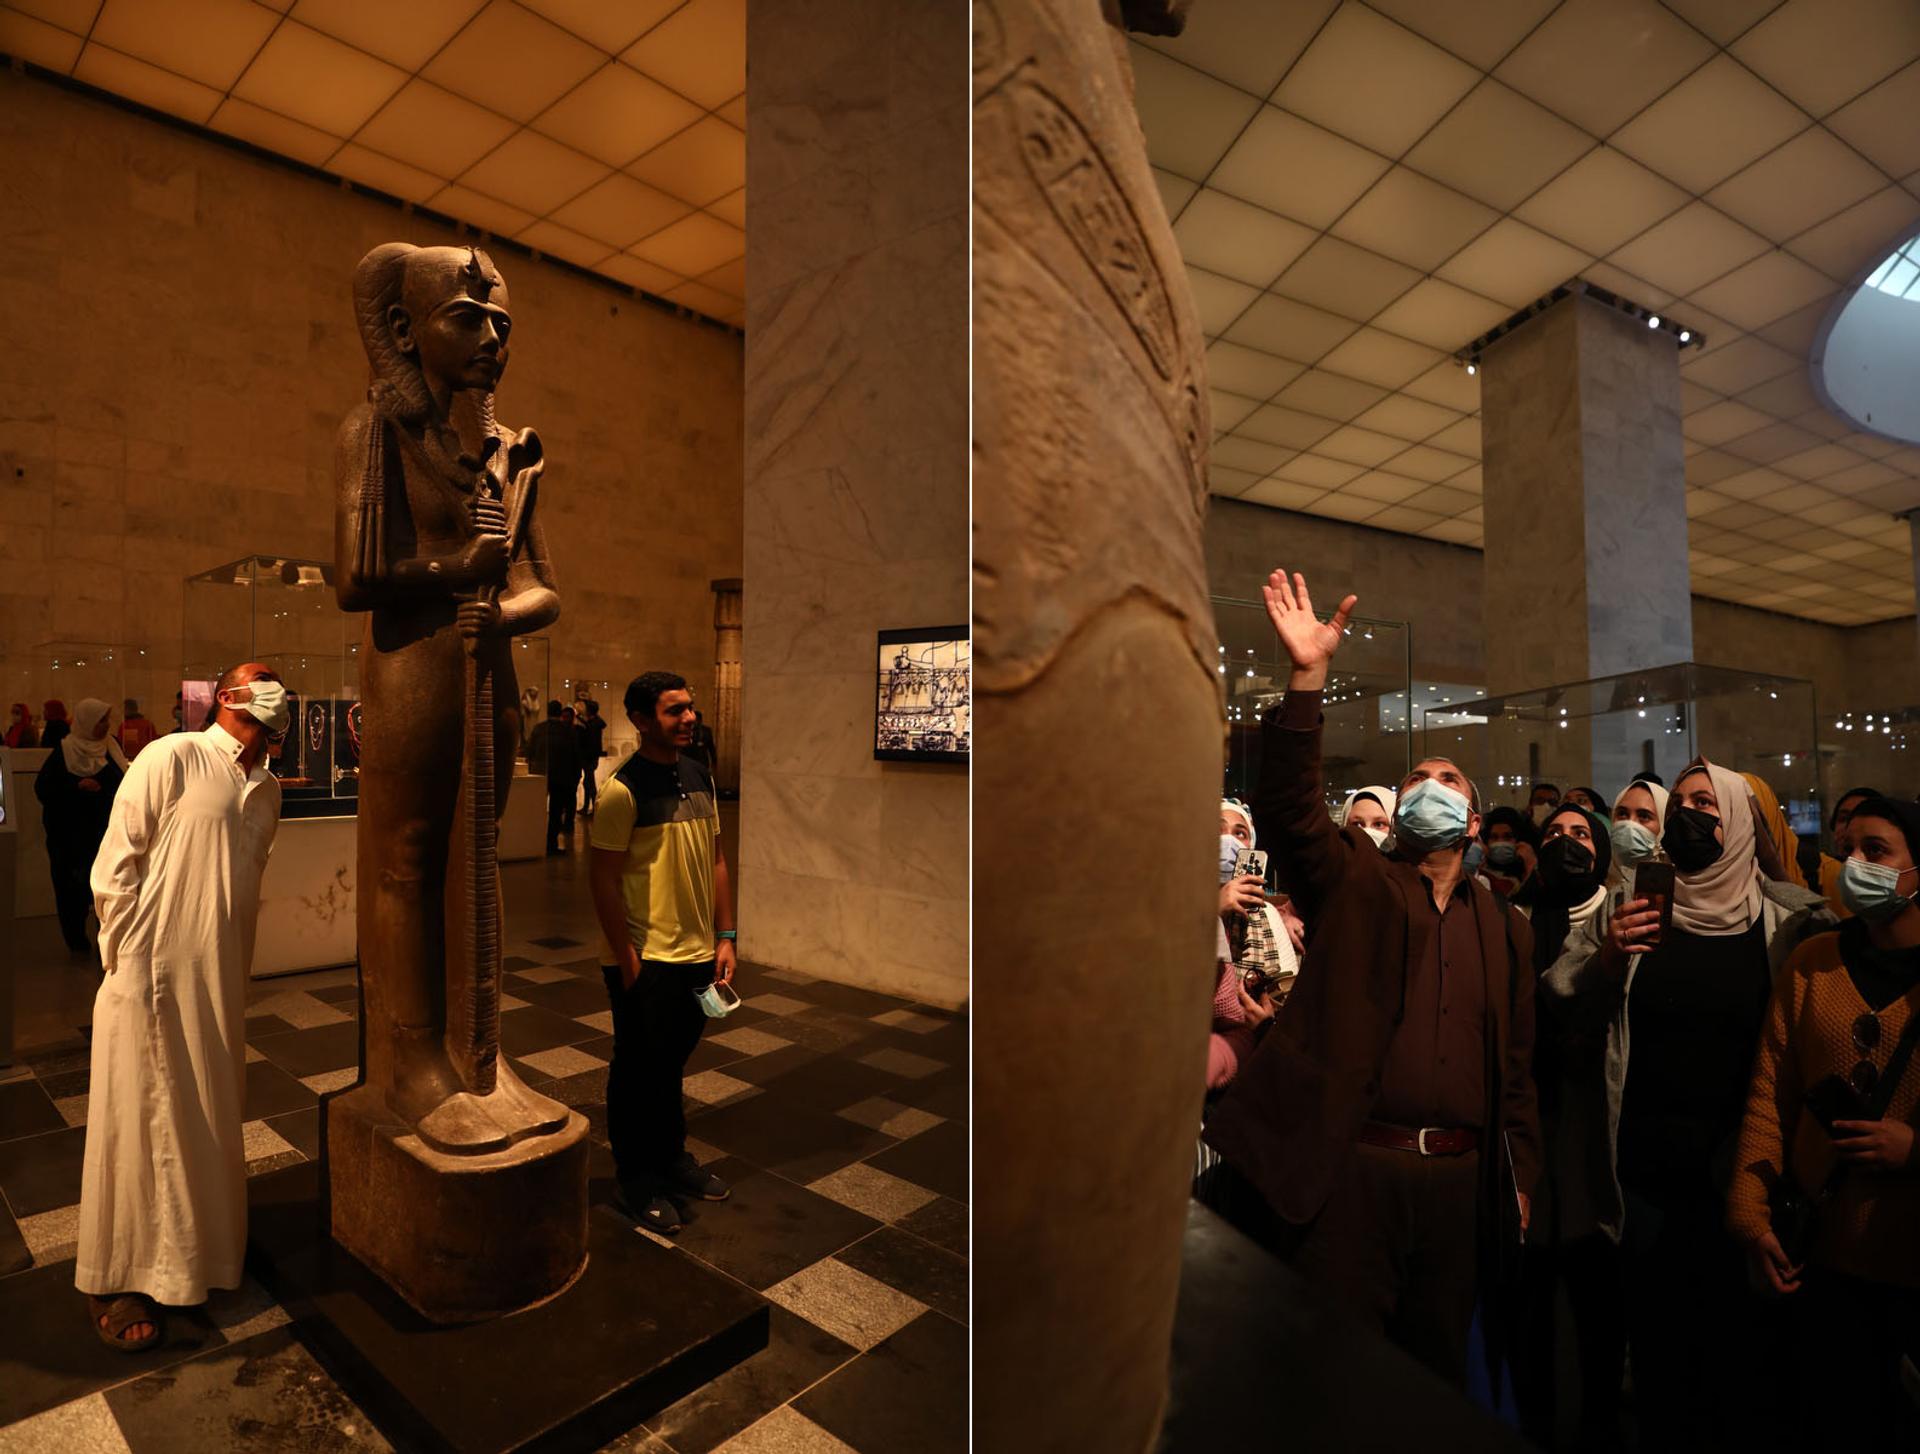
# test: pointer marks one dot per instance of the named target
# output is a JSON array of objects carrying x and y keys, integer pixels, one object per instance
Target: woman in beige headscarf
[{"x": 1689, "y": 1001}]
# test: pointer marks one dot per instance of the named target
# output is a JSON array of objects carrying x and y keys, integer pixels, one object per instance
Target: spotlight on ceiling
[
  {"x": 1653, "y": 320},
  {"x": 1686, "y": 336},
  {"x": 1472, "y": 369}
]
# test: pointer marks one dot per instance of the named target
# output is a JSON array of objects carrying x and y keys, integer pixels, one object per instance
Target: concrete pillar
[
  {"x": 1586, "y": 521},
  {"x": 726, "y": 684}
]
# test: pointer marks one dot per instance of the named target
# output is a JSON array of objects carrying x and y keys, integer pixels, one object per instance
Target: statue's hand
[
  {"x": 484, "y": 561},
  {"x": 478, "y": 618}
]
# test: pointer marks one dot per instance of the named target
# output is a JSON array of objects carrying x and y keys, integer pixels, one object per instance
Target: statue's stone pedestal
[
  {"x": 458, "y": 1237},
  {"x": 638, "y": 1330}
]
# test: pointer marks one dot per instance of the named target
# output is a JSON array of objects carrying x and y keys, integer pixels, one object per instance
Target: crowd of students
[{"x": 1602, "y": 1106}]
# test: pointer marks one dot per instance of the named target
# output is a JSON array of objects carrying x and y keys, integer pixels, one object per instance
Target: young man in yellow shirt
[{"x": 664, "y": 898}]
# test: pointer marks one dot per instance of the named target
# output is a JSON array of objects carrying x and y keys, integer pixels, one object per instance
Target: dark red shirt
[{"x": 1435, "y": 1071}]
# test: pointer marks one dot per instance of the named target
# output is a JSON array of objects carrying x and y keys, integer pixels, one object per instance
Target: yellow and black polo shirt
[{"x": 665, "y": 819}]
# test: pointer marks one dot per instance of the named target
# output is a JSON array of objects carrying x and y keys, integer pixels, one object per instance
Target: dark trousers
[
  {"x": 1849, "y": 1338},
  {"x": 71, "y": 864},
  {"x": 1394, "y": 1246},
  {"x": 559, "y": 811},
  {"x": 1581, "y": 1277},
  {"x": 589, "y": 789},
  {"x": 656, "y": 1024},
  {"x": 1707, "y": 1355}
]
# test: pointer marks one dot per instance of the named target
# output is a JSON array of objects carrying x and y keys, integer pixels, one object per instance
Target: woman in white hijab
[
  {"x": 75, "y": 786},
  {"x": 1370, "y": 809},
  {"x": 1689, "y": 1001},
  {"x": 1639, "y": 817}
]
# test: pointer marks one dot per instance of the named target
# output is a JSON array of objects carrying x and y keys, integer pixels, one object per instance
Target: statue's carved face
[{"x": 462, "y": 341}]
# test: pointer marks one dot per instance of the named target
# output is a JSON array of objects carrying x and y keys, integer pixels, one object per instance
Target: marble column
[
  {"x": 726, "y": 684},
  {"x": 1586, "y": 522}
]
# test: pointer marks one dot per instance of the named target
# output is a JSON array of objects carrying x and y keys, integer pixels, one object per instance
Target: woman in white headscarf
[
  {"x": 1689, "y": 1001},
  {"x": 1639, "y": 818},
  {"x": 75, "y": 786},
  {"x": 1370, "y": 809},
  {"x": 1256, "y": 961}
]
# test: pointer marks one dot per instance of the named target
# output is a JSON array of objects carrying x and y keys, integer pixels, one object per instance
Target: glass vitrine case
[
  {"x": 1369, "y": 706},
  {"x": 1877, "y": 748},
  {"x": 282, "y": 612},
  {"x": 1603, "y": 733},
  {"x": 68, "y": 672}
]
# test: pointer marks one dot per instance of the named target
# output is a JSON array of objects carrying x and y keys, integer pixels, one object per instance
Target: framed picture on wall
[{"x": 923, "y": 704}]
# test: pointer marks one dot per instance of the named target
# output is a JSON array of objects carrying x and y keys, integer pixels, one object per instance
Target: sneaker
[
  {"x": 694, "y": 1180},
  {"x": 652, "y": 1210}
]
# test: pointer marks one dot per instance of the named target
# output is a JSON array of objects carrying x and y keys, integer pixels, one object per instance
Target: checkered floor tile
[{"x": 816, "y": 1101}]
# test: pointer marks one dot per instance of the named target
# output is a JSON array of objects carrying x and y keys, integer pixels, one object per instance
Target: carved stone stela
[{"x": 447, "y": 1175}]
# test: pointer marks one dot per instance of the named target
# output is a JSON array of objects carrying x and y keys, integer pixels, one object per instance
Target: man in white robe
[{"x": 176, "y": 885}]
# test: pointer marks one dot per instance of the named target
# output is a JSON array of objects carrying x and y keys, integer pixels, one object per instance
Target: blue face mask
[
  {"x": 1503, "y": 855},
  {"x": 1230, "y": 848},
  {"x": 1475, "y": 855},
  {"x": 1633, "y": 843},
  {"x": 1872, "y": 890},
  {"x": 1430, "y": 816}
]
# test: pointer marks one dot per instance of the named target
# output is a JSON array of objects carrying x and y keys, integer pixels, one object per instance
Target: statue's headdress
[{"x": 396, "y": 386}]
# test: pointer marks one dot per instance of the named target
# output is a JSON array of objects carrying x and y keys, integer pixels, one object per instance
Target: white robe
[{"x": 163, "y": 1191}]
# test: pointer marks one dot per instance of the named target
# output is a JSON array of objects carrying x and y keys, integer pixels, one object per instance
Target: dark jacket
[
  {"x": 76, "y": 820},
  {"x": 555, "y": 751},
  {"x": 1294, "y": 1114}
]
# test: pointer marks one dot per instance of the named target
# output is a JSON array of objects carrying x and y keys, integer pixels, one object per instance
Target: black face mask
[
  {"x": 1568, "y": 870},
  {"x": 1689, "y": 840}
]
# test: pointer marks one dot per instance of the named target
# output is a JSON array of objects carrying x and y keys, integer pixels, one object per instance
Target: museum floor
[{"x": 839, "y": 1116}]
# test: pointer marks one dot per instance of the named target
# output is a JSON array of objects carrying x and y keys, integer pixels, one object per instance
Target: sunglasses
[{"x": 1865, "y": 1076}]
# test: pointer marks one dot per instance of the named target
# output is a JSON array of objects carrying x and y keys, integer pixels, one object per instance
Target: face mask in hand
[
  {"x": 1689, "y": 840},
  {"x": 1229, "y": 855},
  {"x": 1872, "y": 890},
  {"x": 1430, "y": 816},
  {"x": 267, "y": 706},
  {"x": 1633, "y": 843}
]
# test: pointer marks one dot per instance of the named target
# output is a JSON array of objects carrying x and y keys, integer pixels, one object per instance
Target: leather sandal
[{"x": 111, "y": 1317}]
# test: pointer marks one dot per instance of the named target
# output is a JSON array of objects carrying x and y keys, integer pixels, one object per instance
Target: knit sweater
[{"x": 1866, "y": 1229}]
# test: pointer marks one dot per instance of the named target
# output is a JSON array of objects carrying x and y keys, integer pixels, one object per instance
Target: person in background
[
  {"x": 54, "y": 723},
  {"x": 1838, "y": 1012},
  {"x": 1540, "y": 802},
  {"x": 593, "y": 746},
  {"x": 703, "y": 745},
  {"x": 554, "y": 752},
  {"x": 1383, "y": 1137},
  {"x": 570, "y": 721},
  {"x": 1680, "y": 1011},
  {"x": 20, "y": 729},
  {"x": 1786, "y": 843},
  {"x": 135, "y": 731},
  {"x": 1830, "y": 863},
  {"x": 1370, "y": 809},
  {"x": 1588, "y": 798},
  {"x": 1639, "y": 818},
  {"x": 75, "y": 787},
  {"x": 1252, "y": 954},
  {"x": 179, "y": 713},
  {"x": 1510, "y": 838}
]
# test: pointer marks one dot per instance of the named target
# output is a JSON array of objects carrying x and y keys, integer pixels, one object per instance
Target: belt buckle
[{"x": 1420, "y": 1142}]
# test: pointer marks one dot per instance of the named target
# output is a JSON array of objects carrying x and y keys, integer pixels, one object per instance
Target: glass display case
[
  {"x": 70, "y": 671},
  {"x": 282, "y": 612},
  {"x": 1603, "y": 733},
  {"x": 1369, "y": 699},
  {"x": 1877, "y": 748},
  {"x": 533, "y": 669}
]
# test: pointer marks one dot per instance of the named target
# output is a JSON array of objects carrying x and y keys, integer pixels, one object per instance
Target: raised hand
[{"x": 1309, "y": 642}]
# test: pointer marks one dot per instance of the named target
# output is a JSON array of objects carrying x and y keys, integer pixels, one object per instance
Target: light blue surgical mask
[
  {"x": 717, "y": 1001},
  {"x": 1504, "y": 854},
  {"x": 1230, "y": 848},
  {"x": 1475, "y": 856},
  {"x": 1872, "y": 890},
  {"x": 1633, "y": 843},
  {"x": 1430, "y": 816}
]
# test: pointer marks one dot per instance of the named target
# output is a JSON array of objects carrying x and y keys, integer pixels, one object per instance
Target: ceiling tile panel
[
  {"x": 1821, "y": 462},
  {"x": 149, "y": 85},
  {"x": 638, "y": 273},
  {"x": 1784, "y": 397},
  {"x": 700, "y": 51},
  {"x": 1292, "y": 330},
  {"x": 1237, "y": 239},
  {"x": 731, "y": 208},
  {"x": 1733, "y": 368},
  {"x": 1814, "y": 175},
  {"x": 433, "y": 129},
  {"x": 1717, "y": 121},
  {"x": 693, "y": 245},
  {"x": 1238, "y": 453},
  {"x": 703, "y": 299},
  {"x": 1796, "y": 332},
  {"x": 620, "y": 211},
  {"x": 1441, "y": 315},
  {"x": 1318, "y": 471},
  {"x": 1449, "y": 385},
  {"x": 395, "y": 178},
  {"x": 1601, "y": 201},
  {"x": 1456, "y": 532},
  {"x": 612, "y": 25},
  {"x": 1722, "y": 20},
  {"x": 1295, "y": 168},
  {"x": 407, "y": 35},
  {"x": 1461, "y": 438},
  {"x": 1283, "y": 494},
  {"x": 1770, "y": 287},
  {"x": 318, "y": 80},
  {"x": 1445, "y": 501},
  {"x": 1319, "y": 392},
  {"x": 1216, "y": 300},
  {"x": 1848, "y": 247},
  {"x": 1381, "y": 358},
  {"x": 1404, "y": 518},
  {"x": 546, "y": 62},
  {"x": 1880, "y": 124},
  {"x": 1480, "y": 32},
  {"x": 74, "y": 16},
  {"x": 1248, "y": 370},
  {"x": 1424, "y": 462},
  {"x": 480, "y": 210},
  {"x": 1764, "y": 446},
  {"x": 1407, "y": 418},
  {"x": 1385, "y": 488},
  {"x": 563, "y": 242},
  {"x": 37, "y": 42},
  {"x": 1248, "y": 43},
  {"x": 209, "y": 41},
  {"x": 1230, "y": 411},
  {"x": 1360, "y": 446},
  {"x": 1597, "y": 62},
  {"x": 1175, "y": 192},
  {"x": 1498, "y": 147},
  {"x": 1689, "y": 249},
  {"x": 1342, "y": 505},
  {"x": 1345, "y": 279},
  {"x": 1824, "y": 54},
  {"x": 1373, "y": 81},
  {"x": 1513, "y": 264},
  {"x": 1717, "y": 423},
  {"x": 1272, "y": 424},
  {"x": 735, "y": 111},
  {"x": 1416, "y": 221},
  {"x": 274, "y": 132},
  {"x": 704, "y": 162},
  {"x": 1190, "y": 118},
  {"x": 1226, "y": 482},
  {"x": 1710, "y": 466},
  {"x": 616, "y": 115},
  {"x": 1862, "y": 476},
  {"x": 531, "y": 172}
]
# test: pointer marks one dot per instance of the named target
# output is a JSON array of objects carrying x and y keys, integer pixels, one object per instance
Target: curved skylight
[{"x": 1900, "y": 273}]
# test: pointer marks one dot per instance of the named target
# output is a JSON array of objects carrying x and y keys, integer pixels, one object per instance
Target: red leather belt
[{"x": 1427, "y": 1140}]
